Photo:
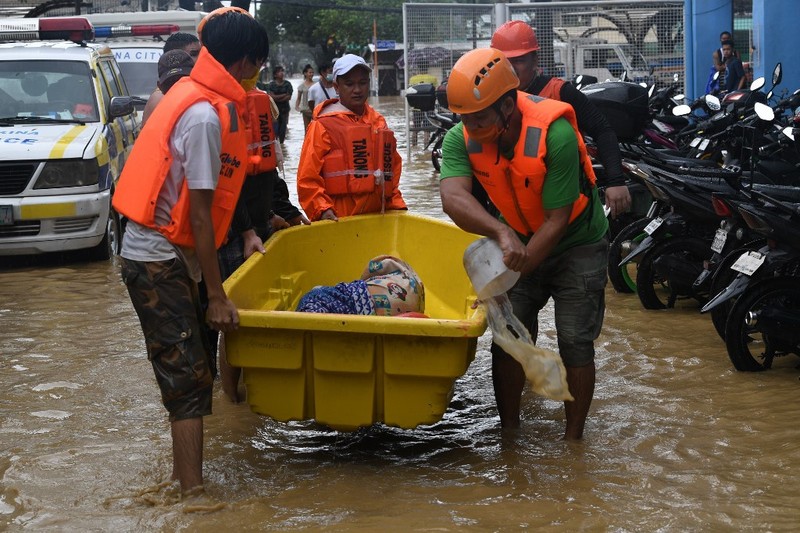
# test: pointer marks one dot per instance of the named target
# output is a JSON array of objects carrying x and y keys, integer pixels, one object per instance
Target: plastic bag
[{"x": 543, "y": 368}]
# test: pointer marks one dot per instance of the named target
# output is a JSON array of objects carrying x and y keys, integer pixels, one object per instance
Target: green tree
[{"x": 331, "y": 28}]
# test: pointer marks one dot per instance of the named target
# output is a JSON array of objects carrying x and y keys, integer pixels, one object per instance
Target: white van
[
  {"x": 67, "y": 125},
  {"x": 137, "y": 39}
]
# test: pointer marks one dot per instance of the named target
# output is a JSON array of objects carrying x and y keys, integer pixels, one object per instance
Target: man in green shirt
[{"x": 528, "y": 155}]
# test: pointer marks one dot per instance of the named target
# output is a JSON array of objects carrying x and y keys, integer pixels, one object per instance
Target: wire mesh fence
[{"x": 641, "y": 41}]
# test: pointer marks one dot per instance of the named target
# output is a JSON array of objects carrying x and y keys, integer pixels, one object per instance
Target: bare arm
[
  {"x": 547, "y": 236},
  {"x": 469, "y": 215},
  {"x": 222, "y": 314}
]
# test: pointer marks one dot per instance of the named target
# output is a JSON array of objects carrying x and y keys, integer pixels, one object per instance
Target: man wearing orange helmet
[
  {"x": 528, "y": 155},
  {"x": 518, "y": 42}
]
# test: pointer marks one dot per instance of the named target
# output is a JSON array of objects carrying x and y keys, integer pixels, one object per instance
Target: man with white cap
[{"x": 349, "y": 164}]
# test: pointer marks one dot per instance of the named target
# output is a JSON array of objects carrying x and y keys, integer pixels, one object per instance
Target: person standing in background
[
  {"x": 177, "y": 41},
  {"x": 281, "y": 91},
  {"x": 519, "y": 44},
  {"x": 323, "y": 89},
  {"x": 301, "y": 103}
]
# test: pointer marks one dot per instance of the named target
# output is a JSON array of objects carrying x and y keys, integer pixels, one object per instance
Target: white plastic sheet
[{"x": 543, "y": 368}]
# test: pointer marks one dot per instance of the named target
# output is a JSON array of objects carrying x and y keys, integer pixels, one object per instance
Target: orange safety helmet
[
  {"x": 217, "y": 12},
  {"x": 515, "y": 38},
  {"x": 479, "y": 79}
]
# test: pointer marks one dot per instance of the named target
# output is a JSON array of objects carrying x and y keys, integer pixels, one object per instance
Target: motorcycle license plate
[
  {"x": 719, "y": 240},
  {"x": 695, "y": 142},
  {"x": 663, "y": 128},
  {"x": 748, "y": 263},
  {"x": 6, "y": 215},
  {"x": 704, "y": 144},
  {"x": 653, "y": 226}
]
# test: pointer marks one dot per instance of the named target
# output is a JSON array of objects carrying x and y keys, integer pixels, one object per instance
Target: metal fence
[{"x": 642, "y": 40}]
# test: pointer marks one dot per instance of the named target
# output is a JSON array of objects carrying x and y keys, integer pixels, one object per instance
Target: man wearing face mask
[
  {"x": 323, "y": 89},
  {"x": 528, "y": 155},
  {"x": 178, "y": 192}
]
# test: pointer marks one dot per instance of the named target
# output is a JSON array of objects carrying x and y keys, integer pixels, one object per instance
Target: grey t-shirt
[{"x": 195, "y": 144}]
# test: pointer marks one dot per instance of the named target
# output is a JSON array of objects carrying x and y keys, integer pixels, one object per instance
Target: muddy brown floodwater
[{"x": 677, "y": 440}]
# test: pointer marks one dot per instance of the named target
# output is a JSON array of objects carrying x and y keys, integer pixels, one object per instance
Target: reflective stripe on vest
[
  {"x": 515, "y": 186},
  {"x": 360, "y": 159}
]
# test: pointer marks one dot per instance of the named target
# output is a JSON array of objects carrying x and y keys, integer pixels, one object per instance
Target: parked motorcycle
[{"x": 432, "y": 101}]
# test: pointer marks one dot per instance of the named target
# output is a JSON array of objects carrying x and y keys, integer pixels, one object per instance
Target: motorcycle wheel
[
  {"x": 436, "y": 154},
  {"x": 621, "y": 276},
  {"x": 722, "y": 277},
  {"x": 749, "y": 349},
  {"x": 656, "y": 292}
]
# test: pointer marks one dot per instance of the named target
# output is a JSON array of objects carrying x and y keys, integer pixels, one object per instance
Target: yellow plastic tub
[{"x": 349, "y": 371}]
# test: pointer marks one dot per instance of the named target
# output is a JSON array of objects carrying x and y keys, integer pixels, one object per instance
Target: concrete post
[{"x": 774, "y": 24}]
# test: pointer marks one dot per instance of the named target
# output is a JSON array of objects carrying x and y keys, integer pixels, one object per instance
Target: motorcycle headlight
[{"x": 68, "y": 173}]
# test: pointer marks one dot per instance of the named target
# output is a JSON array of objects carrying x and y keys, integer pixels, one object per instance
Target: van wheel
[{"x": 112, "y": 240}]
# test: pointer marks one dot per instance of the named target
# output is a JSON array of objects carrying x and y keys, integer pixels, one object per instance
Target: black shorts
[{"x": 168, "y": 305}]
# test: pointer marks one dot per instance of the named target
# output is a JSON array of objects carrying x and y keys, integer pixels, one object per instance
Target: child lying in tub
[{"x": 388, "y": 287}]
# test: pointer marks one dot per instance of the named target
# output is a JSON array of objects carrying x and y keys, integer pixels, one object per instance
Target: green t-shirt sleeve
[
  {"x": 562, "y": 182},
  {"x": 455, "y": 160}
]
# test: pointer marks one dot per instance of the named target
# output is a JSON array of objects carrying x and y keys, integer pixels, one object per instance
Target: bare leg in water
[
  {"x": 187, "y": 452},
  {"x": 229, "y": 375},
  {"x": 508, "y": 379},
  {"x": 581, "y": 385}
]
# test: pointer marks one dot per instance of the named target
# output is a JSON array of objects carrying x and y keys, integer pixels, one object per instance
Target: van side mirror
[{"x": 120, "y": 106}]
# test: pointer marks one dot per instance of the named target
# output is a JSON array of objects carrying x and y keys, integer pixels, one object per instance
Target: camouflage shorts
[{"x": 167, "y": 303}]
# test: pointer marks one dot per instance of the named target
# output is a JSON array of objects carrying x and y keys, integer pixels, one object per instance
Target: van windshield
[
  {"x": 60, "y": 90},
  {"x": 140, "y": 78}
]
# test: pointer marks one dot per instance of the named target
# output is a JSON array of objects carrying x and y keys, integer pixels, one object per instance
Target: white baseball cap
[{"x": 346, "y": 63}]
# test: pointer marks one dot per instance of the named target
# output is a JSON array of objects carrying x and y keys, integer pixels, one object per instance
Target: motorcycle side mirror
[
  {"x": 788, "y": 131},
  {"x": 777, "y": 75},
  {"x": 713, "y": 102},
  {"x": 769, "y": 94},
  {"x": 757, "y": 83},
  {"x": 643, "y": 84},
  {"x": 679, "y": 96},
  {"x": 764, "y": 112},
  {"x": 650, "y": 91},
  {"x": 681, "y": 110}
]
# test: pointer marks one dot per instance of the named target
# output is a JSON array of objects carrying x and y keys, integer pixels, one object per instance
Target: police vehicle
[
  {"x": 67, "y": 124},
  {"x": 137, "y": 40}
]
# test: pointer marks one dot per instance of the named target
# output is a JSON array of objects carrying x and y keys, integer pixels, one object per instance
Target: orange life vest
[
  {"x": 552, "y": 89},
  {"x": 360, "y": 159},
  {"x": 261, "y": 147},
  {"x": 148, "y": 166},
  {"x": 515, "y": 186}
]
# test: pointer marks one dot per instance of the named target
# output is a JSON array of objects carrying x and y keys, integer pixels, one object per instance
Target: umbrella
[{"x": 420, "y": 58}]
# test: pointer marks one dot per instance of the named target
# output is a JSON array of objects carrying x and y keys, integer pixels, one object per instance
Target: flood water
[{"x": 676, "y": 440}]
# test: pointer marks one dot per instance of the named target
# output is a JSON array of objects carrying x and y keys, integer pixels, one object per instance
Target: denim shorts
[
  {"x": 576, "y": 281},
  {"x": 168, "y": 305}
]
